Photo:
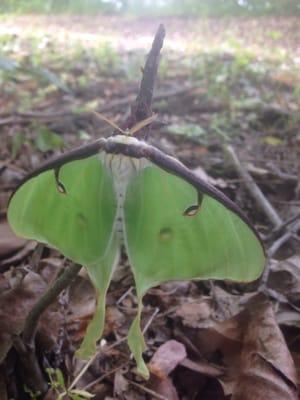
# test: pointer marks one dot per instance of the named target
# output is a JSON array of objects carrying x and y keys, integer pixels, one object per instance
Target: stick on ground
[
  {"x": 25, "y": 344},
  {"x": 62, "y": 282},
  {"x": 253, "y": 189}
]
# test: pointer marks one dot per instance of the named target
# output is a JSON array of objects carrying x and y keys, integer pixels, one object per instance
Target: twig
[
  {"x": 31, "y": 372},
  {"x": 25, "y": 345},
  {"x": 283, "y": 239},
  {"x": 36, "y": 256},
  {"x": 92, "y": 359},
  {"x": 252, "y": 187},
  {"x": 144, "y": 98},
  {"x": 124, "y": 295},
  {"x": 142, "y": 107},
  {"x": 274, "y": 248},
  {"x": 150, "y": 320},
  {"x": 104, "y": 376},
  {"x": 276, "y": 231},
  {"x": 282, "y": 175},
  {"x": 17, "y": 257},
  {"x": 44, "y": 302},
  {"x": 147, "y": 390}
]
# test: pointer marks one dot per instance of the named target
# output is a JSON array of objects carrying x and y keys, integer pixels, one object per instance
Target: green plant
[
  {"x": 57, "y": 384},
  {"x": 106, "y": 56}
]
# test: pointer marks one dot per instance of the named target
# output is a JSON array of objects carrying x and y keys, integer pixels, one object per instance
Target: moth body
[{"x": 123, "y": 170}]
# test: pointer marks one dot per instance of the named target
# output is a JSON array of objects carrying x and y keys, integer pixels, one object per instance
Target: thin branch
[
  {"x": 144, "y": 98},
  {"x": 150, "y": 320},
  {"x": 283, "y": 239},
  {"x": 45, "y": 301},
  {"x": 142, "y": 106},
  {"x": 25, "y": 344},
  {"x": 275, "y": 247},
  {"x": 277, "y": 231},
  {"x": 102, "y": 350},
  {"x": 104, "y": 376},
  {"x": 147, "y": 390},
  {"x": 31, "y": 371},
  {"x": 252, "y": 187}
]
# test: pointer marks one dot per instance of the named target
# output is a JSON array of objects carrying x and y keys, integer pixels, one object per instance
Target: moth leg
[
  {"x": 59, "y": 184},
  {"x": 192, "y": 210}
]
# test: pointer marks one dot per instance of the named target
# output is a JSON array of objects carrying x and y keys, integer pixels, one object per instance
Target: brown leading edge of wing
[
  {"x": 57, "y": 162},
  {"x": 175, "y": 167}
]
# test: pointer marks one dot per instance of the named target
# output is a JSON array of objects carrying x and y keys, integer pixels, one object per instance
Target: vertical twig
[
  {"x": 252, "y": 187},
  {"x": 62, "y": 282},
  {"x": 25, "y": 344},
  {"x": 141, "y": 109}
]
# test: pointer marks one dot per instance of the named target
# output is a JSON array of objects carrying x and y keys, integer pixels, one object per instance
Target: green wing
[
  {"x": 79, "y": 223},
  {"x": 163, "y": 244}
]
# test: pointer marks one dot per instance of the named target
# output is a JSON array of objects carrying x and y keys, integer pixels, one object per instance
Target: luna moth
[{"x": 121, "y": 191}]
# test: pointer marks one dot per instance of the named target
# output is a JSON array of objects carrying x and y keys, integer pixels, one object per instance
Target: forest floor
[{"x": 225, "y": 88}]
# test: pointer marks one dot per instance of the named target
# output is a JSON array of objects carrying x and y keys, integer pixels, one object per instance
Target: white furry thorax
[{"x": 123, "y": 169}]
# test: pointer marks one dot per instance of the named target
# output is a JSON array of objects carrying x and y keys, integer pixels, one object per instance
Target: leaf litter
[{"x": 205, "y": 340}]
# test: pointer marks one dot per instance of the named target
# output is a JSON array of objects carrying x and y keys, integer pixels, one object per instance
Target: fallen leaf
[
  {"x": 166, "y": 389},
  {"x": 9, "y": 242},
  {"x": 266, "y": 369},
  {"x": 164, "y": 361},
  {"x": 16, "y": 303},
  {"x": 252, "y": 348},
  {"x": 120, "y": 384},
  {"x": 166, "y": 358},
  {"x": 203, "y": 367},
  {"x": 284, "y": 278},
  {"x": 196, "y": 314}
]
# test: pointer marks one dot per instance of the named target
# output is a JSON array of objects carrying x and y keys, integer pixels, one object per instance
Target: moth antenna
[
  {"x": 60, "y": 187},
  {"x": 109, "y": 121},
  {"x": 192, "y": 210},
  {"x": 140, "y": 125}
]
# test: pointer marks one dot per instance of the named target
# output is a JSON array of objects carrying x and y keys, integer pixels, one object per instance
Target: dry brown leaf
[
  {"x": 196, "y": 314},
  {"x": 165, "y": 388},
  {"x": 164, "y": 361},
  {"x": 266, "y": 368},
  {"x": 9, "y": 242},
  {"x": 203, "y": 367},
  {"x": 16, "y": 303},
  {"x": 166, "y": 358},
  {"x": 81, "y": 307},
  {"x": 284, "y": 278},
  {"x": 253, "y": 349},
  {"x": 120, "y": 384}
]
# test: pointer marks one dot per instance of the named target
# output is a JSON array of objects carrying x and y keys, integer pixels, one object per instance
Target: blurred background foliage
[{"x": 155, "y": 7}]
